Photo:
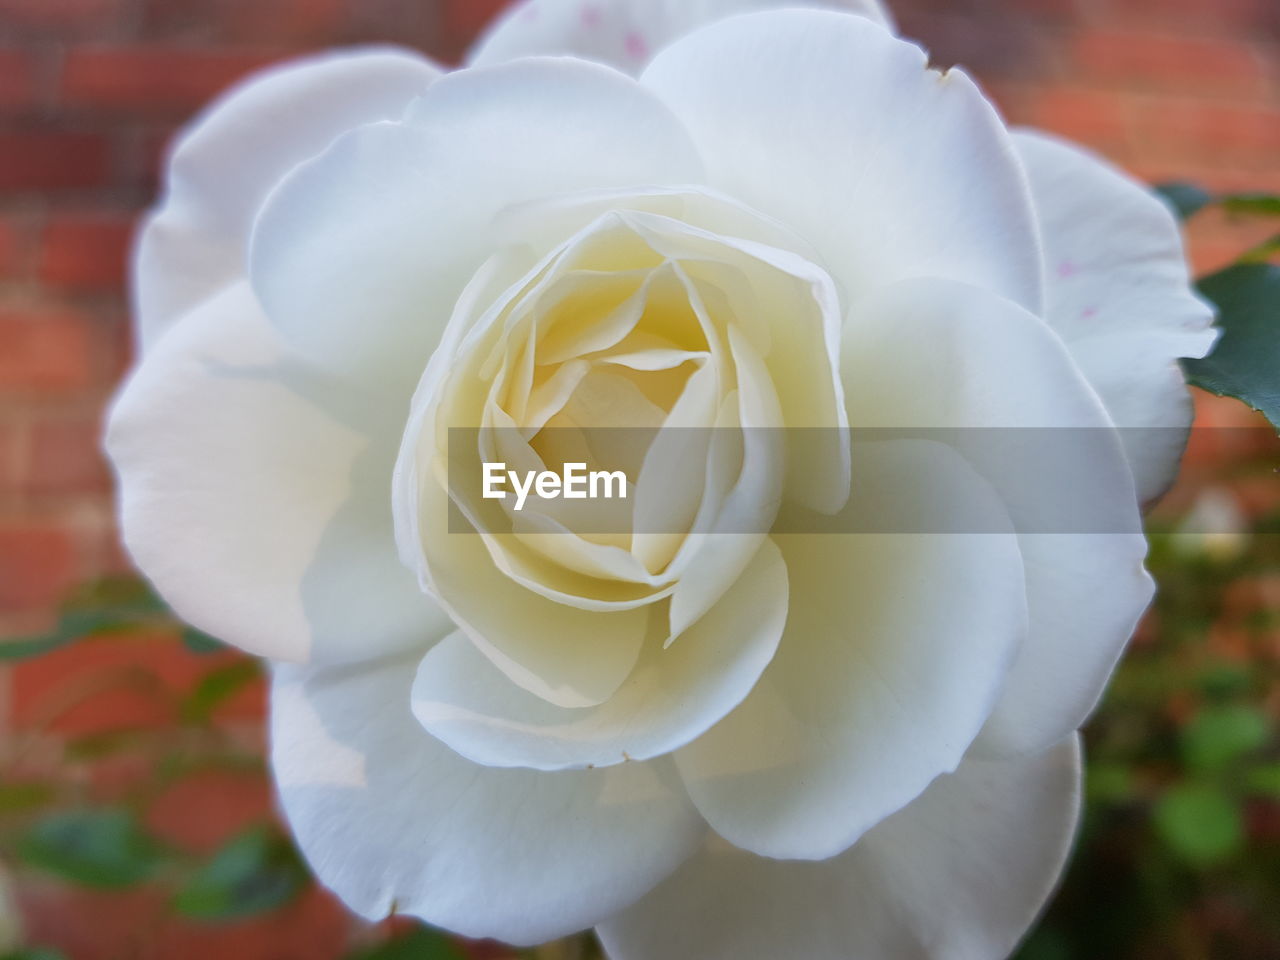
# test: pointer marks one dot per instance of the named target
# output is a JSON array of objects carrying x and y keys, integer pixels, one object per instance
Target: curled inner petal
[{"x": 664, "y": 340}]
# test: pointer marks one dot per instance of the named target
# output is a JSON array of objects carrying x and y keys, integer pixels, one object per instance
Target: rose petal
[
  {"x": 624, "y": 33},
  {"x": 841, "y": 131},
  {"x": 361, "y": 254},
  {"x": 671, "y": 697},
  {"x": 962, "y": 872},
  {"x": 791, "y": 314},
  {"x": 254, "y": 494},
  {"x": 895, "y": 651},
  {"x": 394, "y": 821},
  {"x": 939, "y": 355},
  {"x": 543, "y": 223},
  {"x": 1119, "y": 293},
  {"x": 569, "y": 656},
  {"x": 730, "y": 527},
  {"x": 1086, "y": 594},
  {"x": 222, "y": 169}
]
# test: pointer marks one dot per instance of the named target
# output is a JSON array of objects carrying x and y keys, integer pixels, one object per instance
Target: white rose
[{"x": 705, "y": 743}]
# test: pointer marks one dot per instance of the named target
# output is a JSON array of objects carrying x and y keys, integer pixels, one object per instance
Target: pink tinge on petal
[
  {"x": 1089, "y": 313},
  {"x": 637, "y": 46},
  {"x": 1067, "y": 269},
  {"x": 591, "y": 16}
]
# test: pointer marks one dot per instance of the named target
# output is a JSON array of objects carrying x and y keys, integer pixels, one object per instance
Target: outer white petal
[
  {"x": 895, "y": 650},
  {"x": 935, "y": 354},
  {"x": 840, "y": 131},
  {"x": 674, "y": 694},
  {"x": 1086, "y": 594},
  {"x": 958, "y": 875},
  {"x": 392, "y": 819},
  {"x": 1119, "y": 293},
  {"x": 222, "y": 169},
  {"x": 254, "y": 493},
  {"x": 362, "y": 253},
  {"x": 623, "y": 33}
]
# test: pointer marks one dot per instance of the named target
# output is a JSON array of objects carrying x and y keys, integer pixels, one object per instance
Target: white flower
[{"x": 706, "y": 742}]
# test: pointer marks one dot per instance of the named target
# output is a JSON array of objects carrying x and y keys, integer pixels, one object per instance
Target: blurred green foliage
[
  {"x": 110, "y": 605},
  {"x": 1179, "y": 852},
  {"x": 253, "y": 873},
  {"x": 96, "y": 848},
  {"x": 419, "y": 944}
]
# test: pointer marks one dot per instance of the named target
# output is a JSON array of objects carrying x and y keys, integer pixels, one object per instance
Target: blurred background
[{"x": 135, "y": 816}]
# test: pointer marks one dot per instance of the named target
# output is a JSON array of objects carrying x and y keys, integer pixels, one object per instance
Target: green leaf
[
  {"x": 1217, "y": 736},
  {"x": 95, "y": 746},
  {"x": 199, "y": 643},
  {"x": 1253, "y": 204},
  {"x": 123, "y": 597},
  {"x": 1264, "y": 780},
  {"x": 1200, "y": 824},
  {"x": 1109, "y": 783},
  {"x": 72, "y": 626},
  {"x": 106, "y": 606},
  {"x": 1246, "y": 362},
  {"x": 422, "y": 943},
  {"x": 1186, "y": 199},
  {"x": 218, "y": 686},
  {"x": 29, "y": 647},
  {"x": 34, "y": 953},
  {"x": 96, "y": 848},
  {"x": 17, "y": 797},
  {"x": 1263, "y": 251},
  {"x": 1044, "y": 944},
  {"x": 114, "y": 603},
  {"x": 1224, "y": 679},
  {"x": 256, "y": 872}
]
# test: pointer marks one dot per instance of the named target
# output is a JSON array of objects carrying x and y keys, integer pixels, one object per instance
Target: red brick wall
[{"x": 90, "y": 90}]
